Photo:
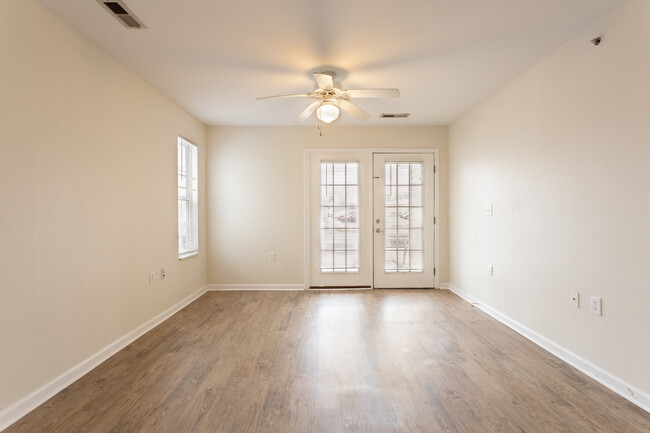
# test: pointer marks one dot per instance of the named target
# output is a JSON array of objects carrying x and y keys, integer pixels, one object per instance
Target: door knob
[
  {"x": 378, "y": 221},
  {"x": 378, "y": 231}
]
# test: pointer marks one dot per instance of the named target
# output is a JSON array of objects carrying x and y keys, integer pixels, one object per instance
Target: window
[
  {"x": 404, "y": 213},
  {"x": 188, "y": 199},
  {"x": 339, "y": 211}
]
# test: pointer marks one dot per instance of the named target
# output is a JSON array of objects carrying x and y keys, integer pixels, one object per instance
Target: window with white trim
[
  {"x": 404, "y": 216},
  {"x": 339, "y": 211},
  {"x": 188, "y": 199}
]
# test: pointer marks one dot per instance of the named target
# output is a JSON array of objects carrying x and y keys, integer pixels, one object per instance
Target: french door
[
  {"x": 340, "y": 221},
  {"x": 403, "y": 221},
  {"x": 371, "y": 219}
]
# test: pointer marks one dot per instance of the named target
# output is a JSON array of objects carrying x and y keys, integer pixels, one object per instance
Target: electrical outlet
[
  {"x": 575, "y": 299},
  {"x": 271, "y": 256},
  {"x": 488, "y": 210},
  {"x": 152, "y": 277},
  {"x": 490, "y": 270},
  {"x": 596, "y": 306},
  {"x": 162, "y": 273}
]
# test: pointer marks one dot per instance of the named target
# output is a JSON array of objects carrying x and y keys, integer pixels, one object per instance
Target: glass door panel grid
[
  {"x": 339, "y": 217},
  {"x": 404, "y": 217}
]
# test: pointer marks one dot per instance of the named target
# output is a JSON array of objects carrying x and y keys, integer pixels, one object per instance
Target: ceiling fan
[{"x": 330, "y": 96}]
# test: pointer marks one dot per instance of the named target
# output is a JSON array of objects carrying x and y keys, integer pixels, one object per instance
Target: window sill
[{"x": 188, "y": 255}]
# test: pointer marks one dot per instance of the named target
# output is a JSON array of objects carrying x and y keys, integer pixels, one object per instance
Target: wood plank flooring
[{"x": 368, "y": 361}]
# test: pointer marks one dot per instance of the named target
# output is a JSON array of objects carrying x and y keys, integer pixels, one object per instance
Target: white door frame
[{"x": 368, "y": 153}]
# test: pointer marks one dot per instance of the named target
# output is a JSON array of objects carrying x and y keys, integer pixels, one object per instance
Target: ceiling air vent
[
  {"x": 119, "y": 10},
  {"x": 394, "y": 115}
]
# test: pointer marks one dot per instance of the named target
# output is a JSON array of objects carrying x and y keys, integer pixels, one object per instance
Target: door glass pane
[
  {"x": 404, "y": 216},
  {"x": 415, "y": 217},
  {"x": 403, "y": 196},
  {"x": 391, "y": 260},
  {"x": 351, "y": 217},
  {"x": 340, "y": 217},
  {"x": 391, "y": 218},
  {"x": 403, "y": 173},
  {"x": 339, "y": 195},
  {"x": 353, "y": 260},
  {"x": 327, "y": 239},
  {"x": 327, "y": 260},
  {"x": 416, "y": 259},
  {"x": 326, "y": 196},
  {"x": 339, "y": 222},
  {"x": 352, "y": 240},
  {"x": 403, "y": 260},
  {"x": 416, "y": 174},
  {"x": 415, "y": 239},
  {"x": 339, "y": 240},
  {"x": 416, "y": 196},
  {"x": 352, "y": 196},
  {"x": 352, "y": 173},
  {"x": 339, "y": 173},
  {"x": 339, "y": 261},
  {"x": 391, "y": 195}
]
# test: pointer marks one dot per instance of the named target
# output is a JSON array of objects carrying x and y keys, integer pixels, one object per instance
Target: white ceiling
[{"x": 214, "y": 58}]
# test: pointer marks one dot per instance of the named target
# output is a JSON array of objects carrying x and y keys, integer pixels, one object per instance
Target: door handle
[{"x": 378, "y": 231}]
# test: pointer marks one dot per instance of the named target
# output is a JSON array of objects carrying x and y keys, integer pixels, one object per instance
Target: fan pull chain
[{"x": 320, "y": 131}]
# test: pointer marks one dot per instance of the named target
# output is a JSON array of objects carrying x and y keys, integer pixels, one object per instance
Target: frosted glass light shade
[{"x": 327, "y": 112}]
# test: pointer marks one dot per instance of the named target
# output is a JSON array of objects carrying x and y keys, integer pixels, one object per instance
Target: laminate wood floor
[{"x": 368, "y": 361}]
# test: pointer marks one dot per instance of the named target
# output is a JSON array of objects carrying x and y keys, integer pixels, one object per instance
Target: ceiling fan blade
[
  {"x": 324, "y": 81},
  {"x": 305, "y": 114},
  {"x": 295, "y": 95},
  {"x": 355, "y": 111},
  {"x": 373, "y": 93}
]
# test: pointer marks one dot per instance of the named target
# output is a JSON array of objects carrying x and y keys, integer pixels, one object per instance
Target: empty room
[{"x": 363, "y": 216}]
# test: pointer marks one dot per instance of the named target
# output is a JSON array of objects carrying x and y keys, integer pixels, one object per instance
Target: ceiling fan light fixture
[
  {"x": 327, "y": 112},
  {"x": 330, "y": 98}
]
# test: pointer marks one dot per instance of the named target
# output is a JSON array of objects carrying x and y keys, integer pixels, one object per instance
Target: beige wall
[
  {"x": 563, "y": 154},
  {"x": 88, "y": 193},
  {"x": 256, "y": 195}
]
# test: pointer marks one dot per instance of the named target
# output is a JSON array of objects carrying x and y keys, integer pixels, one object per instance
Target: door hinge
[
  {"x": 435, "y": 220},
  {"x": 434, "y": 272},
  {"x": 434, "y": 169}
]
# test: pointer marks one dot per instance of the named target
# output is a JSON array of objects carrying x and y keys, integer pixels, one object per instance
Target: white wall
[
  {"x": 563, "y": 154},
  {"x": 256, "y": 195},
  {"x": 88, "y": 193}
]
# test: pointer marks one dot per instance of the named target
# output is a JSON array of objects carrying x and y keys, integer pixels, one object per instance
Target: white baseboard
[
  {"x": 254, "y": 287},
  {"x": 631, "y": 393},
  {"x": 22, "y": 407}
]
